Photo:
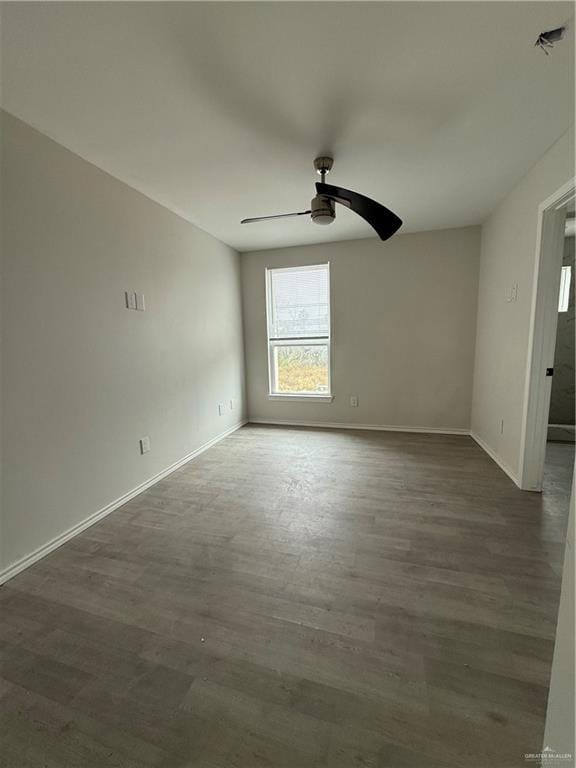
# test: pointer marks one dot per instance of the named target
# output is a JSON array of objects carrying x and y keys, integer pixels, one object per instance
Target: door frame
[{"x": 542, "y": 338}]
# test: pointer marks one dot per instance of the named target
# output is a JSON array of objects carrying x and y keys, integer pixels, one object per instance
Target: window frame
[{"x": 298, "y": 341}]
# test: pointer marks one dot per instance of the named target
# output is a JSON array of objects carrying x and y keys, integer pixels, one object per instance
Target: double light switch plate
[{"x": 135, "y": 300}]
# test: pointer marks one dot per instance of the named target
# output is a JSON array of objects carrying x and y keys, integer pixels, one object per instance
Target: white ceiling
[{"x": 217, "y": 110}]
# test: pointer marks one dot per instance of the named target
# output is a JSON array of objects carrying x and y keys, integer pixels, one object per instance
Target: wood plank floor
[{"x": 295, "y": 598}]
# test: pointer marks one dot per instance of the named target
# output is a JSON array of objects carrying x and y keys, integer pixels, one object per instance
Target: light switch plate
[
  {"x": 221, "y": 409},
  {"x": 130, "y": 298},
  {"x": 354, "y": 401},
  {"x": 512, "y": 294},
  {"x": 140, "y": 302},
  {"x": 144, "y": 445}
]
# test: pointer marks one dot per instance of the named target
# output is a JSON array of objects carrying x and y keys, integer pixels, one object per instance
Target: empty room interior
[{"x": 287, "y": 384}]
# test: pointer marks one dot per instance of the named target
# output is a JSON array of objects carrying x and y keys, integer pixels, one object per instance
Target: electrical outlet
[
  {"x": 221, "y": 409},
  {"x": 140, "y": 302},
  {"x": 354, "y": 401},
  {"x": 144, "y": 445}
]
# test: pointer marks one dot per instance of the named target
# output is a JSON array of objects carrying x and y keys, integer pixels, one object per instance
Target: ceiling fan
[{"x": 322, "y": 208}]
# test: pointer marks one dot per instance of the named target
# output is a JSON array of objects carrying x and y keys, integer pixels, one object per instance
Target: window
[
  {"x": 564, "y": 298},
  {"x": 298, "y": 310}
]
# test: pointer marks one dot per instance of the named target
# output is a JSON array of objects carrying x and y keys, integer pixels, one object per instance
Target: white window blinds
[{"x": 299, "y": 303}]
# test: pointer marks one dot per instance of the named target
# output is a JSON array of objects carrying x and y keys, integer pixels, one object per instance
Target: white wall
[
  {"x": 507, "y": 257},
  {"x": 403, "y": 328},
  {"x": 84, "y": 378}
]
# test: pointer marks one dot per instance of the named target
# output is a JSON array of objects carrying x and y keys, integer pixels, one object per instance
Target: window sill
[{"x": 302, "y": 398}]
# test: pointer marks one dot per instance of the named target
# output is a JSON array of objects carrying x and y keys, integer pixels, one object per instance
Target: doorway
[{"x": 548, "y": 425}]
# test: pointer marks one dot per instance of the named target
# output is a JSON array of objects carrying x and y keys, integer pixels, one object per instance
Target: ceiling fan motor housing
[{"x": 322, "y": 210}]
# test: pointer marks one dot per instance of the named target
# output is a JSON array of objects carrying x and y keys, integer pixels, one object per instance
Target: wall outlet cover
[{"x": 144, "y": 445}]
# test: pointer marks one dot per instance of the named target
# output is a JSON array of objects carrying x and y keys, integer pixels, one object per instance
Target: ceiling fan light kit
[{"x": 323, "y": 209}]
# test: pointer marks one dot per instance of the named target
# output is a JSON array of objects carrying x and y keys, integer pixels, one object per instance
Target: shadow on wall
[{"x": 562, "y": 402}]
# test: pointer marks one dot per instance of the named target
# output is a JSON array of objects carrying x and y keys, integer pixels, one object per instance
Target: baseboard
[
  {"x": 56, "y": 542},
  {"x": 561, "y": 433},
  {"x": 377, "y": 427},
  {"x": 494, "y": 456}
]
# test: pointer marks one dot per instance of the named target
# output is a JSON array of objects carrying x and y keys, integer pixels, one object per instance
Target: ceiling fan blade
[
  {"x": 277, "y": 216},
  {"x": 380, "y": 218}
]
